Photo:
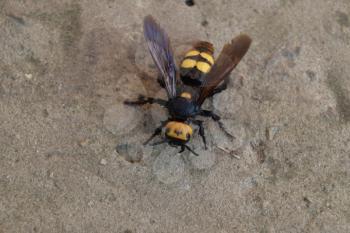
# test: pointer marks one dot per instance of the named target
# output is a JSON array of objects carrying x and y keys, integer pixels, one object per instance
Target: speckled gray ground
[{"x": 66, "y": 66}]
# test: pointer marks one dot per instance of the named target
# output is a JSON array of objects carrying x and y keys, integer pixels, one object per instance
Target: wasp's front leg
[{"x": 142, "y": 100}]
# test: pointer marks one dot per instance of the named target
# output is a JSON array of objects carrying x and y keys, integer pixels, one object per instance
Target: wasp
[{"x": 185, "y": 104}]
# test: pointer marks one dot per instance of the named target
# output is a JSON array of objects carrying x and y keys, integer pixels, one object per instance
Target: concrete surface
[{"x": 66, "y": 66}]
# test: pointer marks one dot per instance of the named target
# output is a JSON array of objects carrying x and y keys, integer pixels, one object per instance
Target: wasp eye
[{"x": 188, "y": 136}]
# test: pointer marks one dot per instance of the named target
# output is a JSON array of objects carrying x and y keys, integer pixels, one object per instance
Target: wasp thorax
[{"x": 186, "y": 95}]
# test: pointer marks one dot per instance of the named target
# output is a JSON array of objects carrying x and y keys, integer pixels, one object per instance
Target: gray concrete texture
[{"x": 71, "y": 154}]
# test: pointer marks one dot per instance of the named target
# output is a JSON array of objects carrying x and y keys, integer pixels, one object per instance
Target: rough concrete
[{"x": 66, "y": 66}]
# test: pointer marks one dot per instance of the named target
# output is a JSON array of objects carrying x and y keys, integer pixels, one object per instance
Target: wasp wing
[
  {"x": 159, "y": 47},
  {"x": 228, "y": 59}
]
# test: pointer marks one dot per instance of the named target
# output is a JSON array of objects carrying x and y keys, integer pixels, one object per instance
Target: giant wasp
[{"x": 204, "y": 80}]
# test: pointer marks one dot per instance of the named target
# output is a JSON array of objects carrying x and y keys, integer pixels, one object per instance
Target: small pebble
[
  {"x": 103, "y": 162},
  {"x": 28, "y": 76},
  {"x": 247, "y": 184},
  {"x": 189, "y": 2},
  {"x": 311, "y": 75},
  {"x": 204, "y": 23},
  {"x": 90, "y": 203},
  {"x": 271, "y": 132},
  {"x": 45, "y": 113},
  {"x": 83, "y": 143},
  {"x": 185, "y": 184}
]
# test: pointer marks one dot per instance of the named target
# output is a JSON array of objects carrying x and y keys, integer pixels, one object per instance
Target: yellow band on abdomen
[
  {"x": 207, "y": 57},
  {"x": 188, "y": 63},
  {"x": 203, "y": 66},
  {"x": 192, "y": 53}
]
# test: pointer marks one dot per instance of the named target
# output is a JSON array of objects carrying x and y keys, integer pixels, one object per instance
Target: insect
[{"x": 184, "y": 106}]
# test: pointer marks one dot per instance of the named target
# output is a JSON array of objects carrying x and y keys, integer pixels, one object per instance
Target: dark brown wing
[
  {"x": 159, "y": 47},
  {"x": 228, "y": 59}
]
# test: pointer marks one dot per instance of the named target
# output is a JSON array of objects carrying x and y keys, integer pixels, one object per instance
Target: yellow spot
[
  {"x": 186, "y": 95},
  {"x": 178, "y": 130},
  {"x": 188, "y": 63},
  {"x": 192, "y": 53},
  {"x": 203, "y": 66},
  {"x": 208, "y": 57}
]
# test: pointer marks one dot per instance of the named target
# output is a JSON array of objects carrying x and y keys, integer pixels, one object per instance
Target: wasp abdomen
[{"x": 197, "y": 62}]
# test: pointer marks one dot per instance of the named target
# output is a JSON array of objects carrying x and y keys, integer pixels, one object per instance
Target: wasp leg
[
  {"x": 182, "y": 149},
  {"x": 216, "y": 118},
  {"x": 201, "y": 131},
  {"x": 192, "y": 151},
  {"x": 146, "y": 100},
  {"x": 156, "y": 132}
]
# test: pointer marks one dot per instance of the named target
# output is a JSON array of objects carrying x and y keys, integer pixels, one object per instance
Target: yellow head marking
[
  {"x": 188, "y": 63},
  {"x": 186, "y": 95},
  {"x": 203, "y": 66},
  {"x": 178, "y": 130},
  {"x": 192, "y": 53},
  {"x": 208, "y": 57}
]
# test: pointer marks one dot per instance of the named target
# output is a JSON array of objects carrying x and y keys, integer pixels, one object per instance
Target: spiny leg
[
  {"x": 192, "y": 151},
  {"x": 201, "y": 131},
  {"x": 146, "y": 100},
  {"x": 216, "y": 118},
  {"x": 156, "y": 132},
  {"x": 183, "y": 147}
]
